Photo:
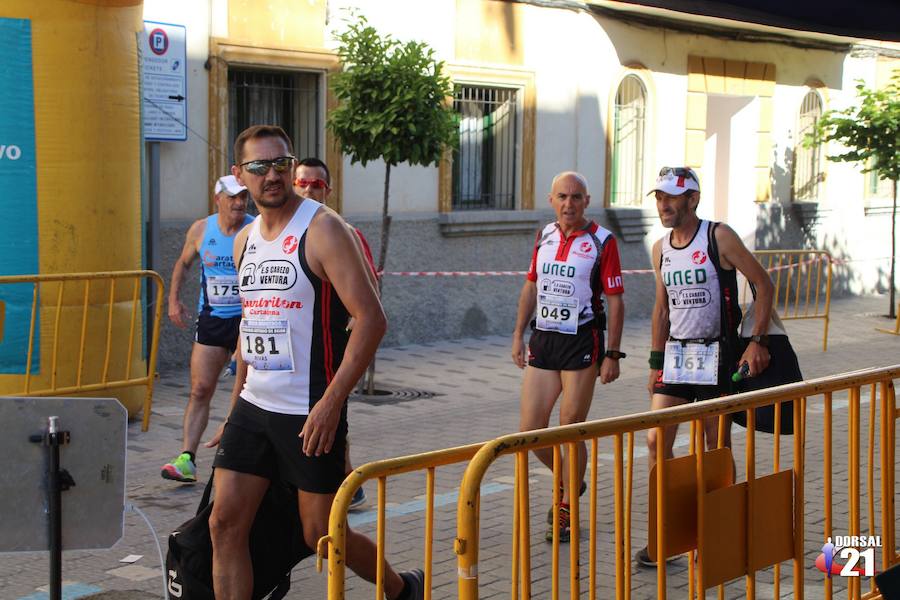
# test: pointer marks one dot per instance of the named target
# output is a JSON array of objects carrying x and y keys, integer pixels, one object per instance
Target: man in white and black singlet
[
  {"x": 574, "y": 263},
  {"x": 694, "y": 328},
  {"x": 301, "y": 278}
]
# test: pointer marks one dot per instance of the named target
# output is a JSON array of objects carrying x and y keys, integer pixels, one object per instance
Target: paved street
[{"x": 454, "y": 393}]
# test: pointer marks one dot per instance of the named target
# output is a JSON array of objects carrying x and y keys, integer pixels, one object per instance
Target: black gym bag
[
  {"x": 276, "y": 546},
  {"x": 783, "y": 368}
]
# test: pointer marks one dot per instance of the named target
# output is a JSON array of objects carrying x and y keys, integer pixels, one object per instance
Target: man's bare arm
[
  {"x": 240, "y": 375},
  {"x": 659, "y": 322},
  {"x": 733, "y": 253},
  {"x": 369, "y": 272},
  {"x": 332, "y": 254},
  {"x": 176, "y": 309},
  {"x": 609, "y": 367},
  {"x": 524, "y": 313}
]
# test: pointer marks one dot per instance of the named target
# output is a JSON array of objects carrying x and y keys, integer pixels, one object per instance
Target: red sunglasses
[{"x": 315, "y": 184}]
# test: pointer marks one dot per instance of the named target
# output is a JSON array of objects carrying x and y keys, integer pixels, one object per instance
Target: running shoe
[
  {"x": 564, "y": 524},
  {"x": 581, "y": 492},
  {"x": 181, "y": 469},
  {"x": 231, "y": 369},
  {"x": 415, "y": 579},
  {"x": 642, "y": 558},
  {"x": 359, "y": 499}
]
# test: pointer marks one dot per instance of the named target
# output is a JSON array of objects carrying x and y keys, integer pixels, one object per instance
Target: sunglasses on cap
[
  {"x": 262, "y": 166},
  {"x": 316, "y": 184},
  {"x": 679, "y": 172}
]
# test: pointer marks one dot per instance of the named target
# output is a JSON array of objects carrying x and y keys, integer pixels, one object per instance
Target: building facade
[{"x": 612, "y": 90}]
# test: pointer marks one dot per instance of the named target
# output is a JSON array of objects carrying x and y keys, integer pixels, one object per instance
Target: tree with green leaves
[
  {"x": 868, "y": 132},
  {"x": 392, "y": 106}
]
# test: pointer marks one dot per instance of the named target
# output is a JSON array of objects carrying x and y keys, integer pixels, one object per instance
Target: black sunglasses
[
  {"x": 261, "y": 167},
  {"x": 679, "y": 172}
]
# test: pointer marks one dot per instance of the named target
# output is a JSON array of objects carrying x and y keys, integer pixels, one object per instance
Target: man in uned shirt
[{"x": 574, "y": 264}]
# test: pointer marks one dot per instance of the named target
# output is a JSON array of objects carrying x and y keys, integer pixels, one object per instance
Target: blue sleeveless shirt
[{"x": 218, "y": 277}]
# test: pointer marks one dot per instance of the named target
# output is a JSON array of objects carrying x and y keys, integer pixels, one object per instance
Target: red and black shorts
[
  {"x": 556, "y": 351},
  {"x": 264, "y": 443}
]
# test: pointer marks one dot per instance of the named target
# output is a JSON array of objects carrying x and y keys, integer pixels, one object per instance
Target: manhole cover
[{"x": 383, "y": 396}]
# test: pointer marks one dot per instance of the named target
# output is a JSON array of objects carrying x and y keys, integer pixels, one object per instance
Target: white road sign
[{"x": 164, "y": 82}]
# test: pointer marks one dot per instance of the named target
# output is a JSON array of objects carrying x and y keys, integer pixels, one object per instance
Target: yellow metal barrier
[
  {"x": 86, "y": 320},
  {"x": 731, "y": 529},
  {"x": 334, "y": 545},
  {"x": 896, "y": 329},
  {"x": 802, "y": 281}
]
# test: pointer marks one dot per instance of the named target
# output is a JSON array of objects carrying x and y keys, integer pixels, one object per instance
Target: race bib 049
[
  {"x": 556, "y": 313},
  {"x": 266, "y": 344},
  {"x": 693, "y": 363}
]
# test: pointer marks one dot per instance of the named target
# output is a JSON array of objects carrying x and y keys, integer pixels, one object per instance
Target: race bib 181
[{"x": 266, "y": 344}]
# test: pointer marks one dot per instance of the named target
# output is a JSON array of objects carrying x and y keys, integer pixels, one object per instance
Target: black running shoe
[
  {"x": 642, "y": 558},
  {"x": 415, "y": 579}
]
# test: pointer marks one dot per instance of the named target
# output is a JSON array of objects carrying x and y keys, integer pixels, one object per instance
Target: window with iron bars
[
  {"x": 808, "y": 173},
  {"x": 878, "y": 189},
  {"x": 485, "y": 162},
  {"x": 627, "y": 169},
  {"x": 289, "y": 99}
]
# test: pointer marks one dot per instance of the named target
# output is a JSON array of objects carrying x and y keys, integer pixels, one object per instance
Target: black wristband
[
  {"x": 762, "y": 340},
  {"x": 657, "y": 358},
  {"x": 615, "y": 354}
]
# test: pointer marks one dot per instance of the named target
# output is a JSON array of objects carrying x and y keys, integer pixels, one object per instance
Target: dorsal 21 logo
[{"x": 853, "y": 549}]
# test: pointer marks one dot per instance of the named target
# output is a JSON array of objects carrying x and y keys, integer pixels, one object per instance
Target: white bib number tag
[
  {"x": 266, "y": 345},
  {"x": 555, "y": 313},
  {"x": 692, "y": 363},
  {"x": 222, "y": 290}
]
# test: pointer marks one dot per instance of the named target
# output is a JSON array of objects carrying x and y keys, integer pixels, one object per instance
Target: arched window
[
  {"x": 627, "y": 166},
  {"x": 808, "y": 173}
]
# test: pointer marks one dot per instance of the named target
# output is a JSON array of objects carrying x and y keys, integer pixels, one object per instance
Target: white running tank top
[
  {"x": 293, "y": 324},
  {"x": 692, "y": 287}
]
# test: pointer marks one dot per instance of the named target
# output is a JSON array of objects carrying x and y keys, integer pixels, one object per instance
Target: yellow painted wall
[
  {"x": 488, "y": 31},
  {"x": 885, "y": 68},
  {"x": 88, "y": 142},
  {"x": 292, "y": 23}
]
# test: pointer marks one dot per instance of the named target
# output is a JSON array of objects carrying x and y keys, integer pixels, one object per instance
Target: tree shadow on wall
[{"x": 783, "y": 224}]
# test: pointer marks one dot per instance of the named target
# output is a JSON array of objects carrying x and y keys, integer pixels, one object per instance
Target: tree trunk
[
  {"x": 893, "y": 310},
  {"x": 382, "y": 258}
]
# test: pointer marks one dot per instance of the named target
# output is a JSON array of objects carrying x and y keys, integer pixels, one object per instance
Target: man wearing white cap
[
  {"x": 693, "y": 347},
  {"x": 218, "y": 312}
]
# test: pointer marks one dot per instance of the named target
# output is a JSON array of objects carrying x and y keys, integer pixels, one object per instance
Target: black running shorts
[
  {"x": 215, "y": 331},
  {"x": 265, "y": 443},
  {"x": 556, "y": 351}
]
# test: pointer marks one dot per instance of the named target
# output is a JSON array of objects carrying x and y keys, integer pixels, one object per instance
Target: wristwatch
[
  {"x": 615, "y": 354},
  {"x": 762, "y": 340}
]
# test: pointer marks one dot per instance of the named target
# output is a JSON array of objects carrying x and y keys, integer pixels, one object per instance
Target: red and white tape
[
  {"x": 483, "y": 273},
  {"x": 836, "y": 261}
]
